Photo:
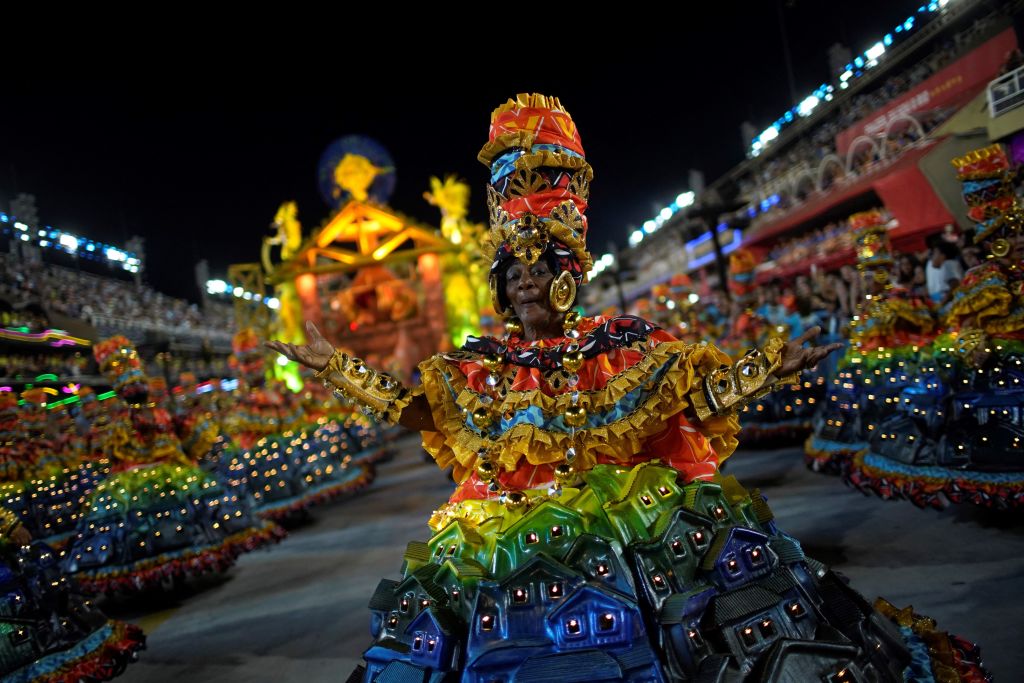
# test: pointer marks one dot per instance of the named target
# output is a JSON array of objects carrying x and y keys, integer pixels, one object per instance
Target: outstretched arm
[
  {"x": 379, "y": 392},
  {"x": 730, "y": 387}
]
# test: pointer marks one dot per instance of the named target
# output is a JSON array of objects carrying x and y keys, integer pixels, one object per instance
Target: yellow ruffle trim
[
  {"x": 546, "y": 157},
  {"x": 989, "y": 302},
  {"x": 455, "y": 445},
  {"x": 475, "y": 512},
  {"x": 520, "y": 138}
]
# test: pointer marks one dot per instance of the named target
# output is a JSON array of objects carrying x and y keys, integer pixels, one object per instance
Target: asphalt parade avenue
[{"x": 297, "y": 612}]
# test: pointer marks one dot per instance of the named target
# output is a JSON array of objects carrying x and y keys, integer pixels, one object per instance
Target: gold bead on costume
[
  {"x": 486, "y": 471},
  {"x": 513, "y": 326},
  {"x": 515, "y": 500},
  {"x": 575, "y": 416},
  {"x": 572, "y": 319},
  {"x": 482, "y": 417},
  {"x": 572, "y": 361},
  {"x": 565, "y": 474},
  {"x": 1000, "y": 247},
  {"x": 492, "y": 362}
]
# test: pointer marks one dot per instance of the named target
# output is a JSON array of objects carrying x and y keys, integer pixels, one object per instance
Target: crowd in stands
[
  {"x": 23, "y": 321},
  {"x": 95, "y": 299},
  {"x": 808, "y": 153},
  {"x": 29, "y": 365},
  {"x": 831, "y": 298}
]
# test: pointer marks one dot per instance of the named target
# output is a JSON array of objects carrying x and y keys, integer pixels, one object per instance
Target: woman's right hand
[{"x": 316, "y": 354}]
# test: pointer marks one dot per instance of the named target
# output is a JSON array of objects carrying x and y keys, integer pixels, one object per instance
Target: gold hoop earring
[
  {"x": 492, "y": 284},
  {"x": 562, "y": 292}
]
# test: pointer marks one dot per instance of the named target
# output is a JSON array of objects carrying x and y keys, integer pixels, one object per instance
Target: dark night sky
[{"x": 196, "y": 153}]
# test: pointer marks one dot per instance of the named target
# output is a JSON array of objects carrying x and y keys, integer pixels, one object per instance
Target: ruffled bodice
[
  {"x": 989, "y": 297},
  {"x": 633, "y": 385}
]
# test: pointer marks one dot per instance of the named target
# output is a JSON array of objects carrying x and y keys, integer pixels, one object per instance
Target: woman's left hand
[{"x": 796, "y": 358}]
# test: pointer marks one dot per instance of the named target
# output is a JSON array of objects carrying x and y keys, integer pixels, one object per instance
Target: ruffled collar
[{"x": 598, "y": 336}]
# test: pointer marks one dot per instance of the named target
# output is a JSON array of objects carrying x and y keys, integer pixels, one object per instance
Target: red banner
[{"x": 955, "y": 84}]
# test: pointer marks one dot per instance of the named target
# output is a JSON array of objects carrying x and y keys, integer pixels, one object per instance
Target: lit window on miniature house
[
  {"x": 417, "y": 643},
  {"x": 841, "y": 676},
  {"x": 678, "y": 549},
  {"x": 431, "y": 644},
  {"x": 451, "y": 550},
  {"x": 767, "y": 628},
  {"x": 699, "y": 538},
  {"x": 555, "y": 590},
  {"x": 756, "y": 555},
  {"x": 404, "y": 604},
  {"x": 606, "y": 622},
  {"x": 717, "y": 511},
  {"x": 748, "y": 636},
  {"x": 532, "y": 538},
  {"x": 520, "y": 596},
  {"x": 795, "y": 609},
  {"x": 439, "y": 552},
  {"x": 695, "y": 637},
  {"x": 393, "y": 620},
  {"x": 732, "y": 565},
  {"x": 487, "y": 622},
  {"x": 659, "y": 581},
  {"x": 602, "y": 569},
  {"x": 664, "y": 491},
  {"x": 573, "y": 627},
  {"x": 646, "y": 500},
  {"x": 557, "y": 531},
  {"x": 455, "y": 595}
]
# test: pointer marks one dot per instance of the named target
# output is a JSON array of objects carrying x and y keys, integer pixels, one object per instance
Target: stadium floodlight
[
  {"x": 807, "y": 106},
  {"x": 685, "y": 199}
]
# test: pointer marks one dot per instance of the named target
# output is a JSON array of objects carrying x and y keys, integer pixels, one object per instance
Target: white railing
[{"x": 1006, "y": 92}]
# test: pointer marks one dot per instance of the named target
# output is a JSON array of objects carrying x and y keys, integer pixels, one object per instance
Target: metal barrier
[{"x": 1006, "y": 92}]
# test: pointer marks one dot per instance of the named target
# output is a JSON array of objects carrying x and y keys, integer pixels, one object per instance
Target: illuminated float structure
[
  {"x": 960, "y": 438},
  {"x": 889, "y": 352},
  {"x": 156, "y": 517},
  {"x": 367, "y": 277}
]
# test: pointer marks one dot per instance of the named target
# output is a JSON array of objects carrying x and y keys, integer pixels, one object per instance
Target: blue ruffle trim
[
  {"x": 836, "y": 446},
  {"x": 935, "y": 472},
  {"x": 51, "y": 663},
  {"x": 920, "y": 668}
]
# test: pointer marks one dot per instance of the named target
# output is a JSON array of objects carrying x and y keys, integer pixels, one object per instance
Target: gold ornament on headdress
[{"x": 528, "y": 237}]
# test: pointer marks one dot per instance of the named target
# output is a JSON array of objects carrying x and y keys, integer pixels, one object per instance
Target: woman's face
[{"x": 527, "y": 290}]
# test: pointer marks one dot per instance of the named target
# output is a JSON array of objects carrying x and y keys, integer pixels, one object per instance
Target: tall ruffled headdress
[
  {"x": 987, "y": 178},
  {"x": 119, "y": 361},
  {"x": 539, "y": 189}
]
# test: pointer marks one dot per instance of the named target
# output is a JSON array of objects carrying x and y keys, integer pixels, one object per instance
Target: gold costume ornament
[
  {"x": 563, "y": 292},
  {"x": 376, "y": 392},
  {"x": 731, "y": 387}
]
